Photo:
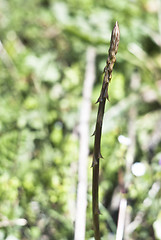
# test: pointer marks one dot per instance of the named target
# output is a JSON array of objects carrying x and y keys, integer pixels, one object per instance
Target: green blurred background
[{"x": 42, "y": 67}]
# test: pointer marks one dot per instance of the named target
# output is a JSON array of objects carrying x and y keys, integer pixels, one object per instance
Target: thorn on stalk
[
  {"x": 95, "y": 161},
  {"x": 94, "y": 133},
  {"x": 99, "y": 100},
  {"x": 100, "y": 156}
]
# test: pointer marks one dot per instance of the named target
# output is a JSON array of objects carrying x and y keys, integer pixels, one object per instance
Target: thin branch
[
  {"x": 115, "y": 37},
  {"x": 121, "y": 219},
  {"x": 148, "y": 201},
  {"x": 80, "y": 220}
]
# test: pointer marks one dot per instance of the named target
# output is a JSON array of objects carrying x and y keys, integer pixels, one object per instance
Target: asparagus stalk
[{"x": 115, "y": 37}]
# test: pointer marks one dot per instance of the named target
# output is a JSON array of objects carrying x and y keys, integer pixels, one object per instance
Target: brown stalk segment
[{"x": 115, "y": 37}]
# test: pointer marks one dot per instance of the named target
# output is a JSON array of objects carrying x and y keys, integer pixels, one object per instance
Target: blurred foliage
[{"x": 42, "y": 51}]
